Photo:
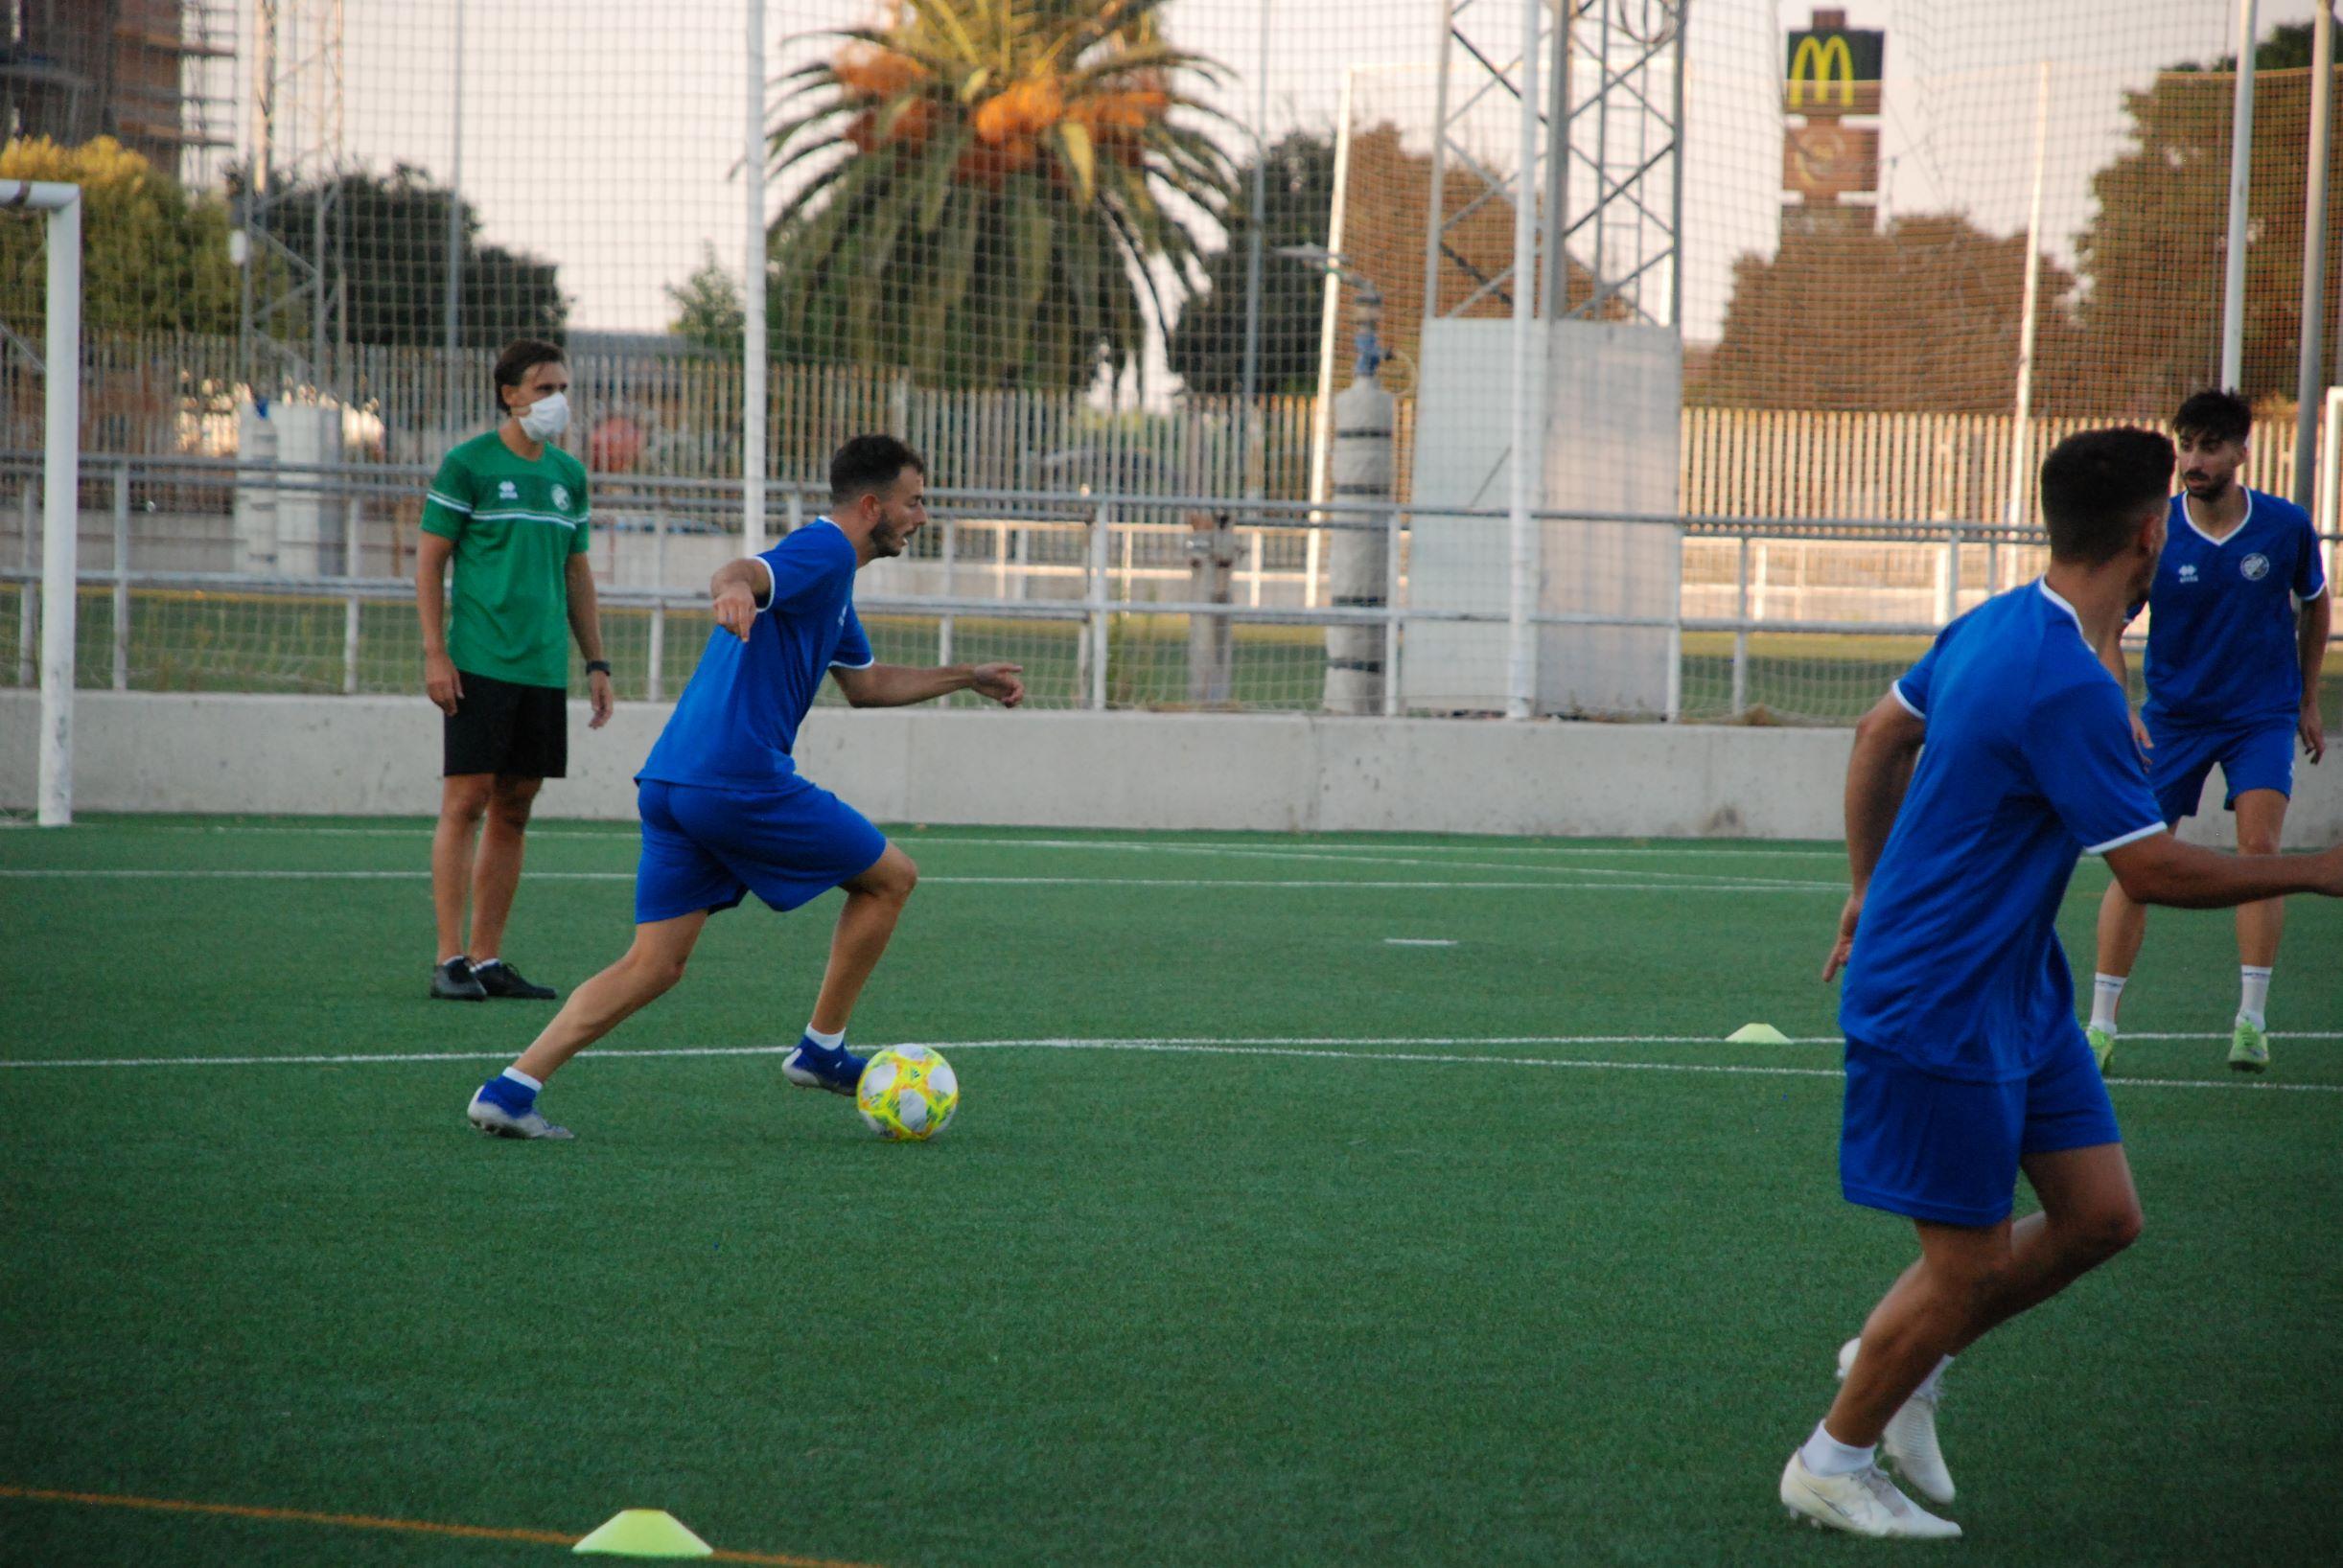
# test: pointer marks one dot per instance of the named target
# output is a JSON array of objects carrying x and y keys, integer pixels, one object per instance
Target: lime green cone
[
  {"x": 645, "y": 1532},
  {"x": 1758, "y": 1034}
]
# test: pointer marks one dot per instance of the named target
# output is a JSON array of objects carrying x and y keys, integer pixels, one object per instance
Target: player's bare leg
[
  {"x": 506, "y": 1105},
  {"x": 2122, "y": 926},
  {"x": 648, "y": 971},
  {"x": 495, "y": 868},
  {"x": 874, "y": 903},
  {"x": 2262, "y": 822},
  {"x": 463, "y": 801},
  {"x": 1971, "y": 1280}
]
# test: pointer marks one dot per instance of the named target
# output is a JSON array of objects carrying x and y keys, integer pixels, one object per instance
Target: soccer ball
[{"x": 908, "y": 1091}]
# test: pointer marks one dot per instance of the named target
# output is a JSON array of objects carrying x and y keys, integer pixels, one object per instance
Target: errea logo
[
  {"x": 2255, "y": 567},
  {"x": 561, "y": 497},
  {"x": 2188, "y": 571},
  {"x": 507, "y": 491}
]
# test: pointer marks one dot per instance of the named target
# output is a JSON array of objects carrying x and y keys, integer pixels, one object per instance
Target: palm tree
[{"x": 988, "y": 188}]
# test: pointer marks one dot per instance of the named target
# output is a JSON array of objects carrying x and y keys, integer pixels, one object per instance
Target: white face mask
[{"x": 545, "y": 419}]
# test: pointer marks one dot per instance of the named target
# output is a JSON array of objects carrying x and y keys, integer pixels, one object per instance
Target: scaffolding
[{"x": 151, "y": 74}]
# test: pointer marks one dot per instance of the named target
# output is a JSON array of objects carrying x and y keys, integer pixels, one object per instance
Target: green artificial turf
[{"x": 1379, "y": 1284}]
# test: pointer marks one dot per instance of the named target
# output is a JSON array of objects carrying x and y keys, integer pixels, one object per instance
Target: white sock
[
  {"x": 2255, "y": 998},
  {"x": 2106, "y": 990},
  {"x": 827, "y": 1042},
  {"x": 1826, "y": 1455},
  {"x": 522, "y": 1079},
  {"x": 1928, "y": 1384},
  {"x": 486, "y": 963}
]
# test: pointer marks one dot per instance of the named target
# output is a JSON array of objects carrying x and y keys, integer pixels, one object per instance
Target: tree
[
  {"x": 709, "y": 313},
  {"x": 385, "y": 244},
  {"x": 989, "y": 188},
  {"x": 1925, "y": 316},
  {"x": 155, "y": 258},
  {"x": 1206, "y": 348},
  {"x": 2154, "y": 251}
]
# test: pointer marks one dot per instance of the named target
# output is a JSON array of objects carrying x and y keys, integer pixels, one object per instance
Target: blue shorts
[
  {"x": 708, "y": 849},
  {"x": 2255, "y": 756},
  {"x": 1945, "y": 1149}
]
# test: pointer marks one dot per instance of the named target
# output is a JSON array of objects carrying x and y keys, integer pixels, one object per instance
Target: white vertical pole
[
  {"x": 2240, "y": 186},
  {"x": 351, "y": 610},
  {"x": 2313, "y": 316},
  {"x": 61, "y": 515},
  {"x": 753, "y": 292},
  {"x": 1101, "y": 531},
  {"x": 1521, "y": 564},
  {"x": 1330, "y": 313},
  {"x": 2022, "y": 425},
  {"x": 654, "y": 662},
  {"x": 122, "y": 576},
  {"x": 451, "y": 306}
]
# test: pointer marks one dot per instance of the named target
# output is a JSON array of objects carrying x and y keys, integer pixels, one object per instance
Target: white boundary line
[
  {"x": 623, "y": 833},
  {"x": 1296, "y": 1048},
  {"x": 1330, "y": 884}
]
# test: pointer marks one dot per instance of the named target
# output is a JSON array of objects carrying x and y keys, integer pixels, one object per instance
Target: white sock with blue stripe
[
  {"x": 2254, "y": 999},
  {"x": 827, "y": 1042}
]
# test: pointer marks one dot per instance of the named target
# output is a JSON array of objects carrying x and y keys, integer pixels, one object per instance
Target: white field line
[
  {"x": 1327, "y": 884},
  {"x": 1295, "y": 1047},
  {"x": 947, "y": 838}
]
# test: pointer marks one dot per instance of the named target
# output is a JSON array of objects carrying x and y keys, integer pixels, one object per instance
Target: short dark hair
[
  {"x": 868, "y": 463},
  {"x": 2095, "y": 487},
  {"x": 513, "y": 366},
  {"x": 2215, "y": 416}
]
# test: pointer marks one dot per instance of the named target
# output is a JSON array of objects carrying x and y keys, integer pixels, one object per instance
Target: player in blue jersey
[
  {"x": 1964, "y": 1062},
  {"x": 725, "y": 810},
  {"x": 2237, "y": 631}
]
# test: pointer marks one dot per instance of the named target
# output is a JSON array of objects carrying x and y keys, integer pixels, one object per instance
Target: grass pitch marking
[
  {"x": 367, "y": 1521},
  {"x": 1330, "y": 884},
  {"x": 1420, "y": 941},
  {"x": 1303, "y": 1048}
]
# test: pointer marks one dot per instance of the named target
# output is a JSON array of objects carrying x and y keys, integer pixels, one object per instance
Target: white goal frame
[{"x": 60, "y": 206}]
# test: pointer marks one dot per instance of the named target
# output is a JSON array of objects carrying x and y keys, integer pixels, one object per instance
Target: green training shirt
[{"x": 515, "y": 524}]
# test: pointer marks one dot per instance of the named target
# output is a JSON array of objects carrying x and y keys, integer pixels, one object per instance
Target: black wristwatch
[{"x": 597, "y": 666}]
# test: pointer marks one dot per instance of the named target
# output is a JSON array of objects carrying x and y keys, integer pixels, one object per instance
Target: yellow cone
[
  {"x": 1758, "y": 1034},
  {"x": 645, "y": 1532}
]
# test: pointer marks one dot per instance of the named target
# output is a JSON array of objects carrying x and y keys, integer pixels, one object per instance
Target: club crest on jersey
[
  {"x": 561, "y": 497},
  {"x": 2255, "y": 567}
]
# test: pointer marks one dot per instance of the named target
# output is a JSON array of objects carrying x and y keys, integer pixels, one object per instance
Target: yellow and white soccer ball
[{"x": 908, "y": 1091}]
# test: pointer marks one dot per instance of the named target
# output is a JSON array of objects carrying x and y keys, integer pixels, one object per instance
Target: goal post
[{"x": 60, "y": 207}]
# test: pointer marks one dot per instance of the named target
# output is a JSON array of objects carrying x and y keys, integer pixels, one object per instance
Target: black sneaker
[
  {"x": 498, "y": 979},
  {"x": 455, "y": 981}
]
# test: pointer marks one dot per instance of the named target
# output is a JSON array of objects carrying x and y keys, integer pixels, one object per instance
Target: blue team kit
[
  {"x": 1959, "y": 1008},
  {"x": 2225, "y": 670},
  {"x": 725, "y": 812}
]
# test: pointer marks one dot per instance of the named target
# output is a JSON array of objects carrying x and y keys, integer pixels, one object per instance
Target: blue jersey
[
  {"x": 2221, "y": 645},
  {"x": 737, "y": 720},
  {"x": 2028, "y": 764}
]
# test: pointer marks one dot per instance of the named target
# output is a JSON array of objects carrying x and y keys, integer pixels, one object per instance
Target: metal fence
[{"x": 204, "y": 575}]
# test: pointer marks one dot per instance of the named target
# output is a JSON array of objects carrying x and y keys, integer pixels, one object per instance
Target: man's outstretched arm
[
  {"x": 2161, "y": 869},
  {"x": 899, "y": 686}
]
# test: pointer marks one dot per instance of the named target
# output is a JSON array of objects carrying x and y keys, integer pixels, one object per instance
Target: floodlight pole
[
  {"x": 2021, "y": 427},
  {"x": 753, "y": 366},
  {"x": 2240, "y": 189},
  {"x": 2314, "y": 255},
  {"x": 451, "y": 309},
  {"x": 60, "y": 485}
]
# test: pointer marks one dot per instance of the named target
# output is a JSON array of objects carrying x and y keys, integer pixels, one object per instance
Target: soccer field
[{"x": 1332, "y": 1200}]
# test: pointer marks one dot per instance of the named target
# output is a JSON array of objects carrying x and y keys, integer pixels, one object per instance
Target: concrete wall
[{"x": 141, "y": 751}]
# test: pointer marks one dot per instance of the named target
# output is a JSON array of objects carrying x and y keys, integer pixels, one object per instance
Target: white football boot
[
  {"x": 1909, "y": 1441},
  {"x": 1862, "y": 1503}
]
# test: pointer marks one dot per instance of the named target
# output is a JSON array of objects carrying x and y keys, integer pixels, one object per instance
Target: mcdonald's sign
[{"x": 1833, "y": 71}]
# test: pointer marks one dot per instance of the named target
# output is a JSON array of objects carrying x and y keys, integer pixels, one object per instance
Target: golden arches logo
[{"x": 1814, "y": 61}]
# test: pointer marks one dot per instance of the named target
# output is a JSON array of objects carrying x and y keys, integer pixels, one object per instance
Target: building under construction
[{"x": 151, "y": 74}]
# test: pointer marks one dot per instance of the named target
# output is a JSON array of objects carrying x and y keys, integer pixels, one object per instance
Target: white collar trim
[
  {"x": 2190, "y": 518},
  {"x": 2051, "y": 594}
]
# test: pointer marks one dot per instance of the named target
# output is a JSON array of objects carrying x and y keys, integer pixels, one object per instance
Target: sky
[{"x": 610, "y": 143}]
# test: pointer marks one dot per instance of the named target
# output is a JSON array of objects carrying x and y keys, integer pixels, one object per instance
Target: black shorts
[{"x": 500, "y": 727}]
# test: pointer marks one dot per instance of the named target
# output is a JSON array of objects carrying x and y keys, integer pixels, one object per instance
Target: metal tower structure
[
  {"x": 292, "y": 308},
  {"x": 1605, "y": 90}
]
